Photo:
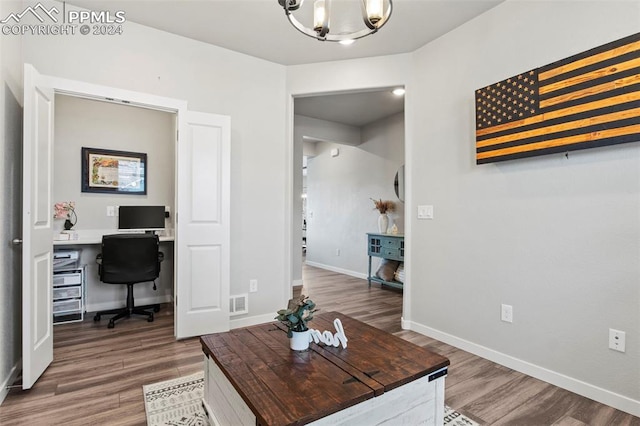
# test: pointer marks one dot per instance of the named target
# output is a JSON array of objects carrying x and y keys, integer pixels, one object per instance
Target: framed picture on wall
[{"x": 111, "y": 171}]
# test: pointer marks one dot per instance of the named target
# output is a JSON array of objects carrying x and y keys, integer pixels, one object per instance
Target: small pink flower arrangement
[
  {"x": 66, "y": 210},
  {"x": 61, "y": 210}
]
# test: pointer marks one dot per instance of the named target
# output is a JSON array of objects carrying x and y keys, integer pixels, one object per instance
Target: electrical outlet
[
  {"x": 253, "y": 286},
  {"x": 506, "y": 314},
  {"x": 617, "y": 340},
  {"x": 111, "y": 211},
  {"x": 338, "y": 252}
]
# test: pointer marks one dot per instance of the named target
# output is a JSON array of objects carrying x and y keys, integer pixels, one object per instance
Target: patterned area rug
[
  {"x": 176, "y": 402},
  {"x": 453, "y": 418}
]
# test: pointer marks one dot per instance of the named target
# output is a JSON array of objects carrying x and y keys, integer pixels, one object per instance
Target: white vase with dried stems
[
  {"x": 383, "y": 207},
  {"x": 383, "y": 223}
]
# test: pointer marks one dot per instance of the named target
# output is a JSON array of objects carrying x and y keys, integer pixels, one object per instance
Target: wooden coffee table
[{"x": 253, "y": 378}]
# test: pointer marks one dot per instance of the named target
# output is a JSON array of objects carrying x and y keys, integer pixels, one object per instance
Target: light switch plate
[{"x": 425, "y": 212}]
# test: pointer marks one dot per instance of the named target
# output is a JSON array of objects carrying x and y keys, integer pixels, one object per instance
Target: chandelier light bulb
[
  {"x": 320, "y": 18},
  {"x": 375, "y": 10}
]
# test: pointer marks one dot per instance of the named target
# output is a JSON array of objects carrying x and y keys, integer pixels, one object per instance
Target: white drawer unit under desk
[{"x": 68, "y": 295}]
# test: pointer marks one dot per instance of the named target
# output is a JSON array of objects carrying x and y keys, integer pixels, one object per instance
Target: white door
[
  {"x": 37, "y": 232},
  {"x": 202, "y": 230}
]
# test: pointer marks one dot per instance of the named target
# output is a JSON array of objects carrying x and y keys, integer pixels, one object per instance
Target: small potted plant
[{"x": 298, "y": 313}]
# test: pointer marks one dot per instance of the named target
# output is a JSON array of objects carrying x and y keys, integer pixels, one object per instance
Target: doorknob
[{"x": 16, "y": 241}]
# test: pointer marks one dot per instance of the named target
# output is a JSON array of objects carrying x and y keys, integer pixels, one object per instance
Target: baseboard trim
[
  {"x": 405, "y": 324},
  {"x": 93, "y": 307},
  {"x": 248, "y": 322},
  {"x": 13, "y": 374},
  {"x": 338, "y": 270},
  {"x": 297, "y": 283},
  {"x": 587, "y": 390}
]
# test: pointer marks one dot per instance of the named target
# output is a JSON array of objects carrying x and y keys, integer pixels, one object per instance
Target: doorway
[
  {"x": 202, "y": 149},
  {"x": 80, "y": 123},
  {"x": 348, "y": 148}
]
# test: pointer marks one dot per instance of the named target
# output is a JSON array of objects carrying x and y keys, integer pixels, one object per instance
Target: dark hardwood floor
[{"x": 97, "y": 374}]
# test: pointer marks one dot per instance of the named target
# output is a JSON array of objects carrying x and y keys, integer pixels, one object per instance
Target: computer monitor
[{"x": 141, "y": 218}]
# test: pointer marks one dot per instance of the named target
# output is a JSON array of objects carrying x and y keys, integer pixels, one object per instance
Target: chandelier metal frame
[{"x": 322, "y": 32}]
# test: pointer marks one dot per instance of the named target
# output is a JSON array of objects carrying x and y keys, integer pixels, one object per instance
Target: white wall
[
  {"x": 215, "y": 80},
  {"x": 315, "y": 130},
  {"x": 88, "y": 123},
  {"x": 339, "y": 191},
  {"x": 556, "y": 238},
  {"x": 10, "y": 203},
  {"x": 385, "y": 139},
  {"x": 349, "y": 75},
  {"x": 307, "y": 131}
]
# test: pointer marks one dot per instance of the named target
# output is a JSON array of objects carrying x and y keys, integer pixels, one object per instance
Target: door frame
[
  {"x": 38, "y": 357},
  {"x": 68, "y": 87},
  {"x": 63, "y": 86},
  {"x": 80, "y": 89},
  {"x": 183, "y": 134},
  {"x": 289, "y": 204}
]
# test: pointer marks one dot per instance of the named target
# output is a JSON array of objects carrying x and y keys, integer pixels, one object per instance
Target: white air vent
[{"x": 239, "y": 304}]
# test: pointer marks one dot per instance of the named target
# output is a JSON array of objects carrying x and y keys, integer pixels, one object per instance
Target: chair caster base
[{"x": 127, "y": 312}]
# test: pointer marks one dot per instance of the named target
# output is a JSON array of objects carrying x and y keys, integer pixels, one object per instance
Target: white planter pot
[{"x": 299, "y": 341}]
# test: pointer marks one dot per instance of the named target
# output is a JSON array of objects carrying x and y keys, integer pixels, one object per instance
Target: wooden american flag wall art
[{"x": 587, "y": 100}]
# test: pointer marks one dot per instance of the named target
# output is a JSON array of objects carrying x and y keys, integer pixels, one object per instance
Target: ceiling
[
  {"x": 353, "y": 109},
  {"x": 259, "y": 28}
]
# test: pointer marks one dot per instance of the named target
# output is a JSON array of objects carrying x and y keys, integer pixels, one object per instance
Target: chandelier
[{"x": 337, "y": 20}]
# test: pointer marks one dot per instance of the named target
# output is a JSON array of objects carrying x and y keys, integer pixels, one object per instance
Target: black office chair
[{"x": 129, "y": 259}]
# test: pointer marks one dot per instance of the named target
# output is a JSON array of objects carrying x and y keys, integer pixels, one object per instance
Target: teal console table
[{"x": 386, "y": 246}]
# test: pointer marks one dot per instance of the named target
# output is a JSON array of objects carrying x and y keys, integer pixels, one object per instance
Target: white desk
[
  {"x": 94, "y": 236},
  {"x": 100, "y": 296}
]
